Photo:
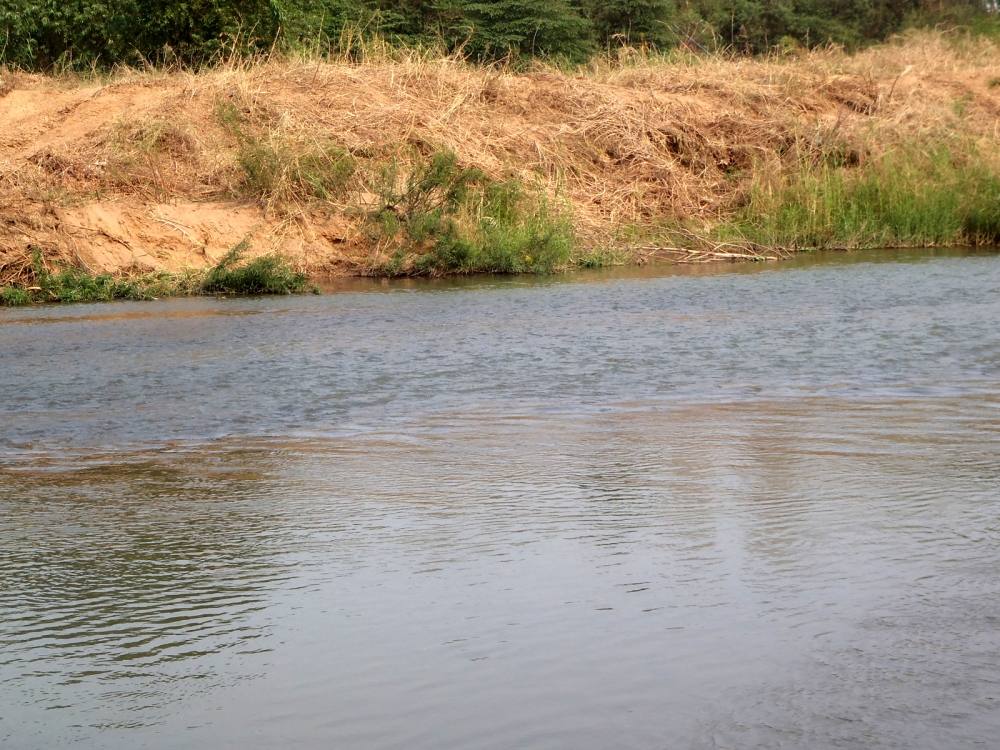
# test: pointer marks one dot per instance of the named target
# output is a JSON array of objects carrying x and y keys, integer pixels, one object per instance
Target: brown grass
[{"x": 142, "y": 169}]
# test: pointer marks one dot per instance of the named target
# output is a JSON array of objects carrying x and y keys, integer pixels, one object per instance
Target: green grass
[
  {"x": 13, "y": 296},
  {"x": 440, "y": 218},
  {"x": 902, "y": 199},
  {"x": 268, "y": 274}
]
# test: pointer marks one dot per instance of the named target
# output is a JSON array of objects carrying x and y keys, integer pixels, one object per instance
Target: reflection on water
[{"x": 619, "y": 514}]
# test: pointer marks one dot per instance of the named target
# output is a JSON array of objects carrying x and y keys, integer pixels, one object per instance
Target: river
[{"x": 729, "y": 507}]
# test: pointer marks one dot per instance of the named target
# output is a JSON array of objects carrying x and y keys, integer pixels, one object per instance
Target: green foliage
[
  {"x": 631, "y": 22},
  {"x": 432, "y": 188},
  {"x": 963, "y": 15},
  {"x": 525, "y": 28},
  {"x": 904, "y": 199},
  {"x": 13, "y": 296},
  {"x": 79, "y": 285},
  {"x": 276, "y": 170},
  {"x": 81, "y": 33},
  {"x": 43, "y": 33},
  {"x": 760, "y": 25},
  {"x": 268, "y": 274},
  {"x": 981, "y": 214},
  {"x": 443, "y": 218},
  {"x": 319, "y": 24}
]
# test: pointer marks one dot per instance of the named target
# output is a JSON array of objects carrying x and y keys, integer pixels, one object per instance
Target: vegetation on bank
[
  {"x": 440, "y": 217},
  {"x": 408, "y": 164},
  {"x": 40, "y": 34},
  {"x": 266, "y": 274},
  {"x": 904, "y": 198}
]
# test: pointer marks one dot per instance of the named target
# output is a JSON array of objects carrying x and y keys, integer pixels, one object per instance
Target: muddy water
[{"x": 747, "y": 508}]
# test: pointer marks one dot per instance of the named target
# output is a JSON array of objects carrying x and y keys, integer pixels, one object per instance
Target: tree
[
  {"x": 630, "y": 22},
  {"x": 499, "y": 28},
  {"x": 40, "y": 33}
]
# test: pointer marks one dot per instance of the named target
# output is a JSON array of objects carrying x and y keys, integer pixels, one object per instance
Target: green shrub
[
  {"x": 268, "y": 274},
  {"x": 275, "y": 169},
  {"x": 631, "y": 22},
  {"x": 494, "y": 29},
  {"x": 981, "y": 214},
  {"x": 81, "y": 33},
  {"x": 13, "y": 296},
  {"x": 42, "y": 33},
  {"x": 443, "y": 218},
  {"x": 967, "y": 16}
]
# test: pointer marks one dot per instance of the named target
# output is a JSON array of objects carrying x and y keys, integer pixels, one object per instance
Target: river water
[{"x": 738, "y": 507}]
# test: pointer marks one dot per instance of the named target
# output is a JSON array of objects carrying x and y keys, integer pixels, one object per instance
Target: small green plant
[
  {"x": 276, "y": 170},
  {"x": 229, "y": 116},
  {"x": 442, "y": 218},
  {"x": 961, "y": 105},
  {"x": 417, "y": 202},
  {"x": 13, "y": 296},
  {"x": 267, "y": 274},
  {"x": 78, "y": 285}
]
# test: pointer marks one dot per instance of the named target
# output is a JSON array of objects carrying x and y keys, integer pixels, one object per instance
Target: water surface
[{"x": 755, "y": 507}]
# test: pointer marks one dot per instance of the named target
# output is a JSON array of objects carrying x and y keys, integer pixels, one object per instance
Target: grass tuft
[{"x": 13, "y": 296}]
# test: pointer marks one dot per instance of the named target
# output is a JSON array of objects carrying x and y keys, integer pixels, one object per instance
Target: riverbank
[{"x": 403, "y": 165}]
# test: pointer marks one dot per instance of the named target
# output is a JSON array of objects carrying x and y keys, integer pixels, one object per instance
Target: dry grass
[{"x": 147, "y": 169}]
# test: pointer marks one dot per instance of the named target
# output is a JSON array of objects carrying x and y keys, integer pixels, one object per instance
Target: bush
[
  {"x": 524, "y": 28},
  {"x": 43, "y": 33},
  {"x": 13, "y": 296},
  {"x": 268, "y": 274},
  {"x": 442, "y": 218},
  {"x": 631, "y": 22}
]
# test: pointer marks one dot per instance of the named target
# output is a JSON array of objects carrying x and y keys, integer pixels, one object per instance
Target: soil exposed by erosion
[{"x": 150, "y": 171}]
